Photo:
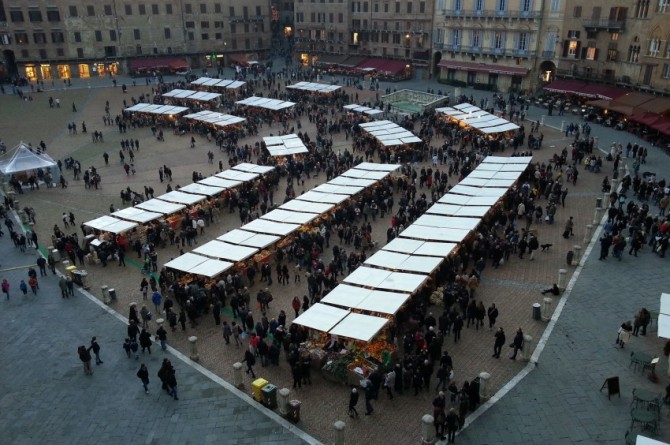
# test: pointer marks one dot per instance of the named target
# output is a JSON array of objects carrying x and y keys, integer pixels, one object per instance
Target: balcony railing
[
  {"x": 548, "y": 54},
  {"x": 491, "y": 13},
  {"x": 609, "y": 25}
]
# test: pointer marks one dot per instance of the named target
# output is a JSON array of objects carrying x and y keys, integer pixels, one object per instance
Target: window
[
  {"x": 409, "y": 7},
  {"x": 666, "y": 71},
  {"x": 53, "y": 15},
  {"x": 577, "y": 12},
  {"x": 340, "y": 18},
  {"x": 136, "y": 34},
  {"x": 168, "y": 9},
  {"x": 35, "y": 15},
  {"x": 90, "y": 10},
  {"x": 80, "y": 53},
  {"x": 110, "y": 51},
  {"x": 204, "y": 24},
  {"x": 260, "y": 13},
  {"x": 498, "y": 40},
  {"x": 57, "y": 37},
  {"x": 203, "y": 8},
  {"x": 386, "y": 7},
  {"x": 245, "y": 11},
  {"x": 522, "y": 41},
  {"x": 654, "y": 47},
  {"x": 155, "y": 50},
  {"x": 128, "y": 9},
  {"x": 108, "y": 10},
  {"x": 591, "y": 53},
  {"x": 218, "y": 24},
  {"x": 191, "y": 36},
  {"x": 60, "y": 52},
  {"x": 233, "y": 43},
  {"x": 112, "y": 35},
  {"x": 572, "y": 48},
  {"x": 455, "y": 38},
  {"x": 479, "y": 6},
  {"x": 73, "y": 11},
  {"x": 167, "y": 33},
  {"x": 663, "y": 6},
  {"x": 138, "y": 50},
  {"x": 501, "y": 5},
  {"x": 422, "y": 7},
  {"x": 397, "y": 7},
  {"x": 555, "y": 6},
  {"x": 188, "y": 9},
  {"x": 573, "y": 34},
  {"x": 612, "y": 55},
  {"x": 614, "y": 36},
  {"x": 16, "y": 16},
  {"x": 634, "y": 54},
  {"x": 247, "y": 44},
  {"x": 217, "y": 8},
  {"x": 98, "y": 36},
  {"x": 591, "y": 35},
  {"x": 231, "y": 11},
  {"x": 458, "y": 5},
  {"x": 204, "y": 36},
  {"x": 477, "y": 39},
  {"x": 154, "y": 9},
  {"x": 233, "y": 28},
  {"x": 142, "y": 9},
  {"x": 190, "y": 25},
  {"x": 43, "y": 54},
  {"x": 77, "y": 36},
  {"x": 526, "y": 5},
  {"x": 39, "y": 37},
  {"x": 21, "y": 38},
  {"x": 218, "y": 36}
]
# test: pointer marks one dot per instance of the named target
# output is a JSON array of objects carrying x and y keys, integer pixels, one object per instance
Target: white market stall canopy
[
  {"x": 314, "y": 87},
  {"x": 383, "y": 279},
  {"x": 477, "y": 118},
  {"x": 21, "y": 158},
  {"x": 216, "y": 119},
  {"x": 136, "y": 215},
  {"x": 389, "y": 133},
  {"x": 366, "y": 299},
  {"x": 365, "y": 174},
  {"x": 359, "y": 327},
  {"x": 371, "y": 166},
  {"x": 270, "y": 227},
  {"x": 110, "y": 224},
  {"x": 199, "y": 265},
  {"x": 289, "y": 144},
  {"x": 237, "y": 175},
  {"x": 434, "y": 233},
  {"x": 493, "y": 174},
  {"x": 268, "y": 104},
  {"x": 253, "y": 168},
  {"x": 338, "y": 189},
  {"x": 159, "y": 206},
  {"x": 225, "y": 251},
  {"x": 343, "y": 180},
  {"x": 167, "y": 110},
  {"x": 403, "y": 262},
  {"x": 321, "y": 317},
  {"x": 481, "y": 182},
  {"x": 218, "y": 83},
  {"x": 363, "y": 109},
  {"x": 201, "y": 96},
  {"x": 201, "y": 189},
  {"x": 181, "y": 198},
  {"x": 478, "y": 191},
  {"x": 251, "y": 239},
  {"x": 215, "y": 181},
  {"x": 287, "y": 216},
  {"x": 448, "y": 222},
  {"x": 456, "y": 210},
  {"x": 664, "y": 317},
  {"x": 326, "y": 198},
  {"x": 423, "y": 248},
  {"x": 463, "y": 200},
  {"x": 306, "y": 206}
]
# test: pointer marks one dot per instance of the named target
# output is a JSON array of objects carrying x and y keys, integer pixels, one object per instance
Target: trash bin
[
  {"x": 69, "y": 271},
  {"x": 294, "y": 411},
  {"x": 112, "y": 294},
  {"x": 55, "y": 253},
  {"x": 270, "y": 396},
  {"x": 599, "y": 203},
  {"x": 537, "y": 311},
  {"x": 80, "y": 277},
  {"x": 257, "y": 386}
]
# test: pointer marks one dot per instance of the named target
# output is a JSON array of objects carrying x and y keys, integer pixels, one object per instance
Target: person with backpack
[{"x": 143, "y": 375}]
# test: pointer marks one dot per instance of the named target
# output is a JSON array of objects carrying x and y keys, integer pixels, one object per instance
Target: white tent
[
  {"x": 251, "y": 239},
  {"x": 359, "y": 326},
  {"x": 21, "y": 159},
  {"x": 417, "y": 247},
  {"x": 321, "y": 317}
]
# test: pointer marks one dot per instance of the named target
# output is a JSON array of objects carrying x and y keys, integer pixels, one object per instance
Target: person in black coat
[
  {"x": 133, "y": 330},
  {"x": 452, "y": 422},
  {"x": 143, "y": 375},
  {"x": 517, "y": 343},
  {"x": 499, "y": 342},
  {"x": 251, "y": 361},
  {"x": 145, "y": 340},
  {"x": 353, "y": 401}
]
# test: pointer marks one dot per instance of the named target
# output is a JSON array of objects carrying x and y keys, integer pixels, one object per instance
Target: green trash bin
[{"x": 269, "y": 392}]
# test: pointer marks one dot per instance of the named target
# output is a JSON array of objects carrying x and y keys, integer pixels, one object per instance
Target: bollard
[
  {"x": 606, "y": 200},
  {"x": 427, "y": 429},
  {"x": 194, "y": 348},
  {"x": 66, "y": 264},
  {"x": 587, "y": 236},
  {"x": 339, "y": 432},
  {"x": 561, "y": 279},
  {"x": 613, "y": 182},
  {"x": 160, "y": 322},
  {"x": 546, "y": 309},
  {"x": 484, "y": 385},
  {"x": 597, "y": 216},
  {"x": 542, "y": 120},
  {"x": 595, "y": 143},
  {"x": 576, "y": 258},
  {"x": 283, "y": 399},
  {"x": 527, "y": 350},
  {"x": 105, "y": 294},
  {"x": 237, "y": 375},
  {"x": 562, "y": 126}
]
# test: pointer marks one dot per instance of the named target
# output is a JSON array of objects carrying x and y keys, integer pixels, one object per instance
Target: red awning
[
  {"x": 566, "y": 87},
  {"x": 602, "y": 91},
  {"x": 646, "y": 118},
  {"x": 384, "y": 65},
  {"x": 484, "y": 68},
  {"x": 662, "y": 126},
  {"x": 156, "y": 63}
]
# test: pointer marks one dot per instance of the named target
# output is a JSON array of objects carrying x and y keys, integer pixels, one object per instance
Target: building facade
[
  {"x": 47, "y": 40},
  {"x": 488, "y": 44},
  {"x": 625, "y": 43}
]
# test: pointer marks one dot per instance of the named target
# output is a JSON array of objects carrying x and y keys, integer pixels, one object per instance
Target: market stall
[
  {"x": 159, "y": 206},
  {"x": 286, "y": 216},
  {"x": 219, "y": 85},
  {"x": 178, "y": 197},
  {"x": 225, "y": 251},
  {"x": 314, "y": 87},
  {"x": 201, "y": 189},
  {"x": 265, "y": 103},
  {"x": 251, "y": 239},
  {"x": 134, "y": 214},
  {"x": 384, "y": 279},
  {"x": 216, "y": 120},
  {"x": 363, "y": 110},
  {"x": 297, "y": 205},
  {"x": 110, "y": 224},
  {"x": 420, "y": 248},
  {"x": 286, "y": 145},
  {"x": 163, "y": 110},
  {"x": 253, "y": 168},
  {"x": 193, "y": 264},
  {"x": 389, "y": 135}
]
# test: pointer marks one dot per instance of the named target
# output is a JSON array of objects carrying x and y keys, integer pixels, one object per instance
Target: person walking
[
  {"x": 295, "y": 304},
  {"x": 145, "y": 341},
  {"x": 161, "y": 333},
  {"x": 389, "y": 383},
  {"x": 5, "y": 288},
  {"x": 517, "y": 343},
  {"x": 492, "y": 313},
  {"x": 96, "y": 351},
  {"x": 34, "y": 285},
  {"x": 366, "y": 384},
  {"x": 452, "y": 422},
  {"x": 85, "y": 358},
  {"x": 143, "y": 375},
  {"x": 499, "y": 342},
  {"x": 250, "y": 360},
  {"x": 353, "y": 401},
  {"x": 42, "y": 264},
  {"x": 171, "y": 382},
  {"x": 24, "y": 287},
  {"x": 439, "y": 404},
  {"x": 624, "y": 333}
]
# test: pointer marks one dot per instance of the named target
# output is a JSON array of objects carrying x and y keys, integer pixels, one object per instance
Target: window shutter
[
  {"x": 583, "y": 53},
  {"x": 566, "y": 47},
  {"x": 595, "y": 54},
  {"x": 578, "y": 50},
  {"x": 516, "y": 40}
]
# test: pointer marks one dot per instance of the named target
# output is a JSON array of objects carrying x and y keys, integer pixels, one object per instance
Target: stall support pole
[
  {"x": 194, "y": 348},
  {"x": 587, "y": 236},
  {"x": 484, "y": 378},
  {"x": 427, "y": 430},
  {"x": 283, "y": 399},
  {"x": 562, "y": 273},
  {"x": 237, "y": 374},
  {"x": 339, "y": 432}
]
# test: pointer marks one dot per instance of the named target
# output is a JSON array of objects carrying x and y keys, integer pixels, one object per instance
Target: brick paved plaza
[{"x": 542, "y": 409}]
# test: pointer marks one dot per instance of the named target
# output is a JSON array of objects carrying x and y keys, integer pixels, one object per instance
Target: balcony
[
  {"x": 249, "y": 18},
  {"x": 604, "y": 25},
  {"x": 548, "y": 54},
  {"x": 491, "y": 14}
]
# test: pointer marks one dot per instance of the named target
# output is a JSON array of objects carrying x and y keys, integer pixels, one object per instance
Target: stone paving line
[{"x": 45, "y": 393}]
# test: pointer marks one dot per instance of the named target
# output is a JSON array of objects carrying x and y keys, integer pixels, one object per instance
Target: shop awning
[
  {"x": 484, "y": 68},
  {"x": 157, "y": 63},
  {"x": 225, "y": 251},
  {"x": 359, "y": 327},
  {"x": 660, "y": 105},
  {"x": 662, "y": 127},
  {"x": 251, "y": 239},
  {"x": 330, "y": 59},
  {"x": 136, "y": 215},
  {"x": 602, "y": 91},
  {"x": 416, "y": 247},
  {"x": 370, "y": 277},
  {"x": 646, "y": 118},
  {"x": 384, "y": 65},
  {"x": 565, "y": 86},
  {"x": 403, "y": 262},
  {"x": 321, "y": 317}
]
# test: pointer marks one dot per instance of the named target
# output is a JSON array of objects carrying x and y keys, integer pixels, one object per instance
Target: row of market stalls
[
  {"x": 285, "y": 145},
  {"x": 157, "y": 110},
  {"x": 384, "y": 69},
  {"x": 203, "y": 99},
  {"x": 255, "y": 243},
  {"x": 389, "y": 134},
  {"x": 470, "y": 116},
  {"x": 215, "y": 120},
  {"x": 265, "y": 104},
  {"x": 314, "y": 87},
  {"x": 217, "y": 85},
  {"x": 170, "y": 207},
  {"x": 361, "y": 309},
  {"x": 372, "y": 112}
]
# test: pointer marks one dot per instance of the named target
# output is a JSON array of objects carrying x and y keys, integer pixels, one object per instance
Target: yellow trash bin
[
  {"x": 258, "y": 386},
  {"x": 69, "y": 270}
]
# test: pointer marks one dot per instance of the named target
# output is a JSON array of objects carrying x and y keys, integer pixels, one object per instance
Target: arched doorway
[
  {"x": 547, "y": 71},
  {"x": 437, "y": 57},
  {"x": 9, "y": 60}
]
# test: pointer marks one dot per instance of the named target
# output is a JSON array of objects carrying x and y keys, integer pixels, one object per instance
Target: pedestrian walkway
[{"x": 46, "y": 398}]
